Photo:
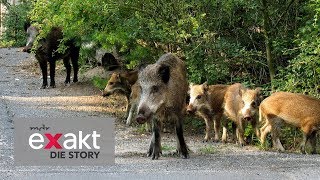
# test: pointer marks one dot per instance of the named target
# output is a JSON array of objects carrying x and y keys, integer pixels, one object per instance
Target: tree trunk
[{"x": 267, "y": 26}]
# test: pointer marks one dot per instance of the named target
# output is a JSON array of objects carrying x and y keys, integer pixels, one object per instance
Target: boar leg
[
  {"x": 74, "y": 59},
  {"x": 313, "y": 142},
  {"x": 303, "y": 143},
  {"x": 44, "y": 70},
  {"x": 312, "y": 138},
  {"x": 264, "y": 131},
  {"x": 255, "y": 127},
  {"x": 52, "y": 72},
  {"x": 208, "y": 121},
  {"x": 224, "y": 130},
  {"x": 131, "y": 112},
  {"x": 68, "y": 68},
  {"x": 217, "y": 121},
  {"x": 234, "y": 131},
  {"x": 155, "y": 144},
  {"x": 275, "y": 135},
  {"x": 128, "y": 106},
  {"x": 240, "y": 133},
  {"x": 181, "y": 144}
]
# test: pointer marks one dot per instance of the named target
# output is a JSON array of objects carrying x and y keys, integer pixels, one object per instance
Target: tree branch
[{"x": 291, "y": 2}]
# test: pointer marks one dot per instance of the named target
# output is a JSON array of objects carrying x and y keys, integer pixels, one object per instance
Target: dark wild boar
[
  {"x": 240, "y": 106},
  {"x": 207, "y": 101},
  {"x": 298, "y": 110},
  {"x": 46, "y": 52},
  {"x": 163, "y": 97},
  {"x": 125, "y": 83}
]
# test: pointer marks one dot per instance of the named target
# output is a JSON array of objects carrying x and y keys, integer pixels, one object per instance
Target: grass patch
[
  {"x": 99, "y": 82},
  {"x": 168, "y": 148},
  {"x": 208, "y": 149},
  {"x": 6, "y": 44},
  {"x": 143, "y": 128}
]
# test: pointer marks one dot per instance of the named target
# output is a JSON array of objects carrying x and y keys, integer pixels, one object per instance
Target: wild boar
[
  {"x": 125, "y": 83},
  {"x": 298, "y": 110},
  {"x": 240, "y": 106},
  {"x": 163, "y": 97},
  {"x": 47, "y": 52},
  {"x": 207, "y": 101}
]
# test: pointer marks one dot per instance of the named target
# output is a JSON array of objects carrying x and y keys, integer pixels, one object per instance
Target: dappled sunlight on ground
[{"x": 113, "y": 105}]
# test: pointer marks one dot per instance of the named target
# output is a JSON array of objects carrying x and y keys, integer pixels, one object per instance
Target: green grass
[
  {"x": 99, "y": 82},
  {"x": 168, "y": 148},
  {"x": 208, "y": 149}
]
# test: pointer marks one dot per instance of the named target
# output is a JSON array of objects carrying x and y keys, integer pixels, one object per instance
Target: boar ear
[
  {"x": 164, "y": 73},
  {"x": 259, "y": 96},
  {"x": 205, "y": 86},
  {"x": 190, "y": 85},
  {"x": 241, "y": 91},
  {"x": 258, "y": 90}
]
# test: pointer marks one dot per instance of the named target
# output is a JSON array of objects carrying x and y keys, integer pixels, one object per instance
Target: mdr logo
[{"x": 64, "y": 141}]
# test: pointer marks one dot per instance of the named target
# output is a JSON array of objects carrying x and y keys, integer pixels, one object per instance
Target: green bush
[{"x": 14, "y": 22}]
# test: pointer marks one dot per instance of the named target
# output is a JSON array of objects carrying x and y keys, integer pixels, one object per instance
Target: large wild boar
[
  {"x": 46, "y": 52},
  {"x": 125, "y": 83},
  {"x": 298, "y": 110},
  {"x": 240, "y": 106},
  {"x": 163, "y": 97},
  {"x": 207, "y": 101}
]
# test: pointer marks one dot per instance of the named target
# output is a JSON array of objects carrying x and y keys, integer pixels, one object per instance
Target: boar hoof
[
  {"x": 183, "y": 154},
  {"x": 216, "y": 140},
  {"x": 52, "y": 85},
  {"x": 75, "y": 80},
  {"x": 241, "y": 144},
  {"x": 43, "y": 87},
  {"x": 67, "y": 84},
  {"x": 301, "y": 150},
  {"x": 154, "y": 154}
]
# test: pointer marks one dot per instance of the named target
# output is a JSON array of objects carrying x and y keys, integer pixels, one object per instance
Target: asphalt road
[{"x": 21, "y": 97}]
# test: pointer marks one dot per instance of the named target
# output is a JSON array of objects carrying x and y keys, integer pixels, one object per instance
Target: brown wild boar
[
  {"x": 298, "y": 110},
  {"x": 207, "y": 101},
  {"x": 125, "y": 83},
  {"x": 163, "y": 97},
  {"x": 240, "y": 106}
]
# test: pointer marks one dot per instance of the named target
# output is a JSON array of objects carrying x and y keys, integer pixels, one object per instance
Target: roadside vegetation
[{"x": 270, "y": 44}]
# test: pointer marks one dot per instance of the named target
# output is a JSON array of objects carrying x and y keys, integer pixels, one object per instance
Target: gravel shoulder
[{"x": 21, "y": 97}]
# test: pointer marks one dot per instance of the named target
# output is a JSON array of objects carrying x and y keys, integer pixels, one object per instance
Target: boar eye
[
  {"x": 253, "y": 104},
  {"x": 199, "y": 97},
  {"x": 154, "y": 89},
  {"x": 111, "y": 83}
]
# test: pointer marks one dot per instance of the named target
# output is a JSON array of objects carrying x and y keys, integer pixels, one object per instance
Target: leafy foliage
[
  {"x": 303, "y": 71},
  {"x": 221, "y": 41},
  {"x": 14, "y": 22}
]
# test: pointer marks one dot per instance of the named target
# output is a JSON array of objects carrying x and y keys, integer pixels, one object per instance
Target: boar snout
[
  {"x": 141, "y": 119},
  {"x": 144, "y": 115},
  {"x": 247, "y": 115},
  {"x": 247, "y": 118},
  {"x": 26, "y": 49},
  {"x": 190, "y": 109},
  {"x": 105, "y": 93}
]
